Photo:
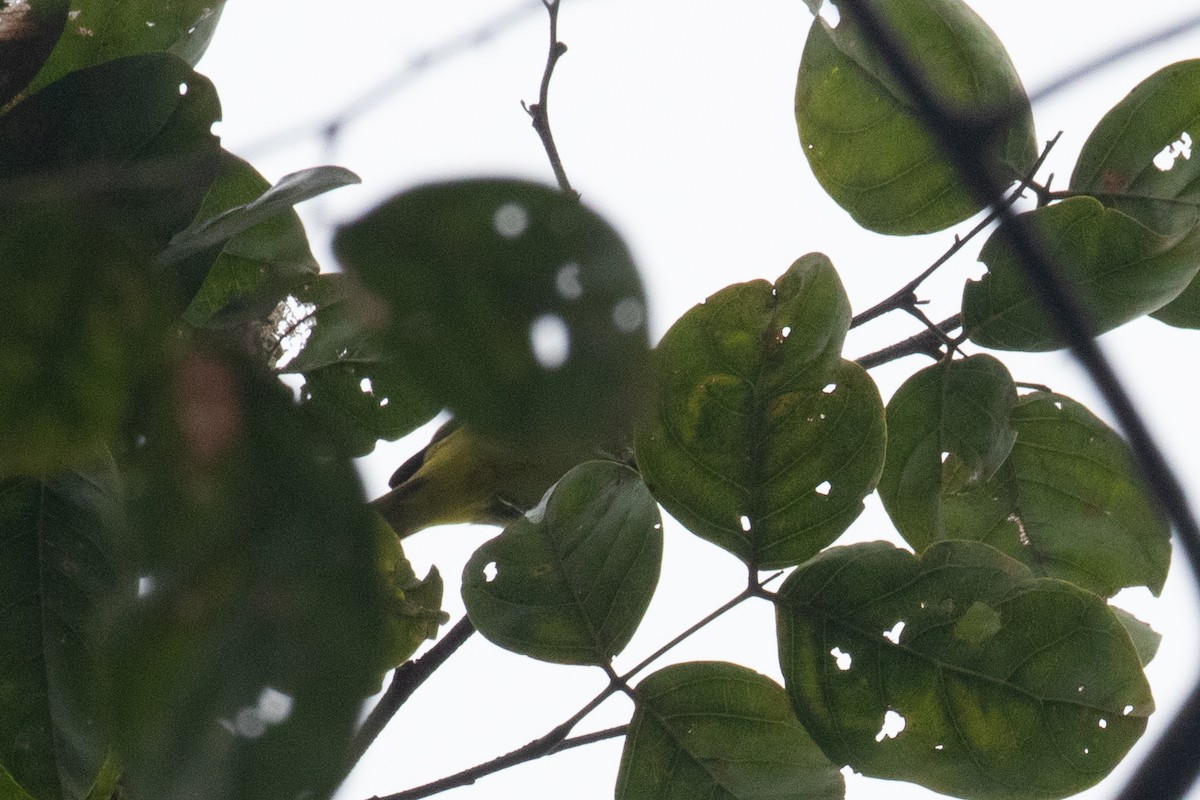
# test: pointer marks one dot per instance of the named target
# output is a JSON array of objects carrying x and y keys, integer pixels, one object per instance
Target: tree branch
[
  {"x": 406, "y": 680},
  {"x": 928, "y": 342},
  {"x": 539, "y": 112}
]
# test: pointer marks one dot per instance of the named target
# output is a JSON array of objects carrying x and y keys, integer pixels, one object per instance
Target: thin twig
[
  {"x": 1171, "y": 766},
  {"x": 927, "y": 342},
  {"x": 660, "y": 652},
  {"x": 407, "y": 678},
  {"x": 905, "y": 296},
  {"x": 539, "y": 112}
]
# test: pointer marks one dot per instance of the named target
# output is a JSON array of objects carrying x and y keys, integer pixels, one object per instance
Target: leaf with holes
[
  {"x": 570, "y": 581},
  {"x": 866, "y": 142},
  {"x": 101, "y": 30},
  {"x": 948, "y": 429},
  {"x": 1138, "y": 160},
  {"x": 352, "y": 387},
  {"x": 28, "y": 33},
  {"x": 514, "y": 305},
  {"x": 1068, "y": 502},
  {"x": 1116, "y": 268},
  {"x": 959, "y": 670},
  {"x": 711, "y": 729},
  {"x": 59, "y": 572},
  {"x": 261, "y": 621},
  {"x": 763, "y": 439}
]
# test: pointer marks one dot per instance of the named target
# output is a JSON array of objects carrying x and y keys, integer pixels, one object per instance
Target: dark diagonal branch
[
  {"x": 928, "y": 342},
  {"x": 1171, "y": 766},
  {"x": 539, "y": 112}
]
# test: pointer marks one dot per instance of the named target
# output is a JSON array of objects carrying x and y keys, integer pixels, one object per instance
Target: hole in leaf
[
  {"x": 843, "y": 659},
  {"x": 823, "y": 488},
  {"x": 145, "y": 586},
  {"x": 829, "y": 12},
  {"x": 550, "y": 339},
  {"x": 945, "y": 455},
  {"x": 893, "y": 724},
  {"x": 786, "y": 332},
  {"x": 490, "y": 572},
  {"x": 1022, "y": 536},
  {"x": 290, "y": 324},
  {"x": 893, "y": 635},
  {"x": 274, "y": 706},
  {"x": 1079, "y": 689},
  {"x": 939, "y": 747},
  {"x": 628, "y": 315},
  {"x": 1103, "y": 723},
  {"x": 510, "y": 220},
  {"x": 365, "y": 386},
  {"x": 567, "y": 282},
  {"x": 1058, "y": 405},
  {"x": 149, "y": 23},
  {"x": 183, "y": 89},
  {"x": 1180, "y": 148},
  {"x": 1086, "y": 750},
  {"x": 829, "y": 388},
  {"x": 744, "y": 521},
  {"x": 383, "y": 402}
]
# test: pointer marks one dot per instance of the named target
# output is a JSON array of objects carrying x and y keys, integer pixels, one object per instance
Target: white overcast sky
[{"x": 674, "y": 120}]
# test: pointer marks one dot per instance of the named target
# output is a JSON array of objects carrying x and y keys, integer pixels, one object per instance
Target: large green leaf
[
  {"x": 865, "y": 141},
  {"x": 514, "y": 305},
  {"x": 103, "y": 30},
  {"x": 570, "y": 581},
  {"x": 58, "y": 572},
  {"x": 1068, "y": 503},
  {"x": 28, "y": 32},
  {"x": 352, "y": 385},
  {"x": 246, "y": 253},
  {"x": 261, "y": 621},
  {"x": 98, "y": 172},
  {"x": 996, "y": 685},
  {"x": 720, "y": 731},
  {"x": 1116, "y": 267},
  {"x": 763, "y": 439},
  {"x": 1138, "y": 160},
  {"x": 948, "y": 429}
]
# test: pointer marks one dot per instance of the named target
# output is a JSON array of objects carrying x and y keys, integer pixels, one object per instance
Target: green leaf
[
  {"x": 251, "y": 254},
  {"x": 1117, "y": 268},
  {"x": 997, "y": 685},
  {"x": 352, "y": 385},
  {"x": 948, "y": 429},
  {"x": 571, "y": 580},
  {"x": 763, "y": 440},
  {"x": 261, "y": 621},
  {"x": 101, "y": 30},
  {"x": 866, "y": 143},
  {"x": 58, "y": 573},
  {"x": 28, "y": 32},
  {"x": 414, "y": 604},
  {"x": 717, "y": 730},
  {"x": 1138, "y": 161},
  {"x": 1068, "y": 502},
  {"x": 514, "y": 305},
  {"x": 102, "y": 168},
  {"x": 1145, "y": 639}
]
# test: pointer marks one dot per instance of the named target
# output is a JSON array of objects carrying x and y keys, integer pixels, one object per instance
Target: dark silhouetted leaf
[
  {"x": 1116, "y": 267},
  {"x": 865, "y": 141},
  {"x": 103, "y": 30},
  {"x": 996, "y": 685},
  {"x": 59, "y": 571},
  {"x": 570, "y": 581},
  {"x": 1068, "y": 503},
  {"x": 28, "y": 32},
  {"x": 514, "y": 305},
  {"x": 717, "y": 730},
  {"x": 948, "y": 429},
  {"x": 1138, "y": 161},
  {"x": 261, "y": 621},
  {"x": 763, "y": 440}
]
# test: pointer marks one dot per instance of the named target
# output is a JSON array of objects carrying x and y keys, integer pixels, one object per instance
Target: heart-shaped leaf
[
  {"x": 101, "y": 30},
  {"x": 948, "y": 429},
  {"x": 261, "y": 621},
  {"x": 711, "y": 729},
  {"x": 867, "y": 144},
  {"x": 514, "y": 305},
  {"x": 958, "y": 670},
  {"x": 570, "y": 581},
  {"x": 1068, "y": 502},
  {"x": 763, "y": 440},
  {"x": 1116, "y": 267},
  {"x": 59, "y": 571}
]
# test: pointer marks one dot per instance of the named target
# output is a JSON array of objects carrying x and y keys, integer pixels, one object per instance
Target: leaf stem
[
  {"x": 905, "y": 297},
  {"x": 407, "y": 678},
  {"x": 539, "y": 112},
  {"x": 928, "y": 342}
]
